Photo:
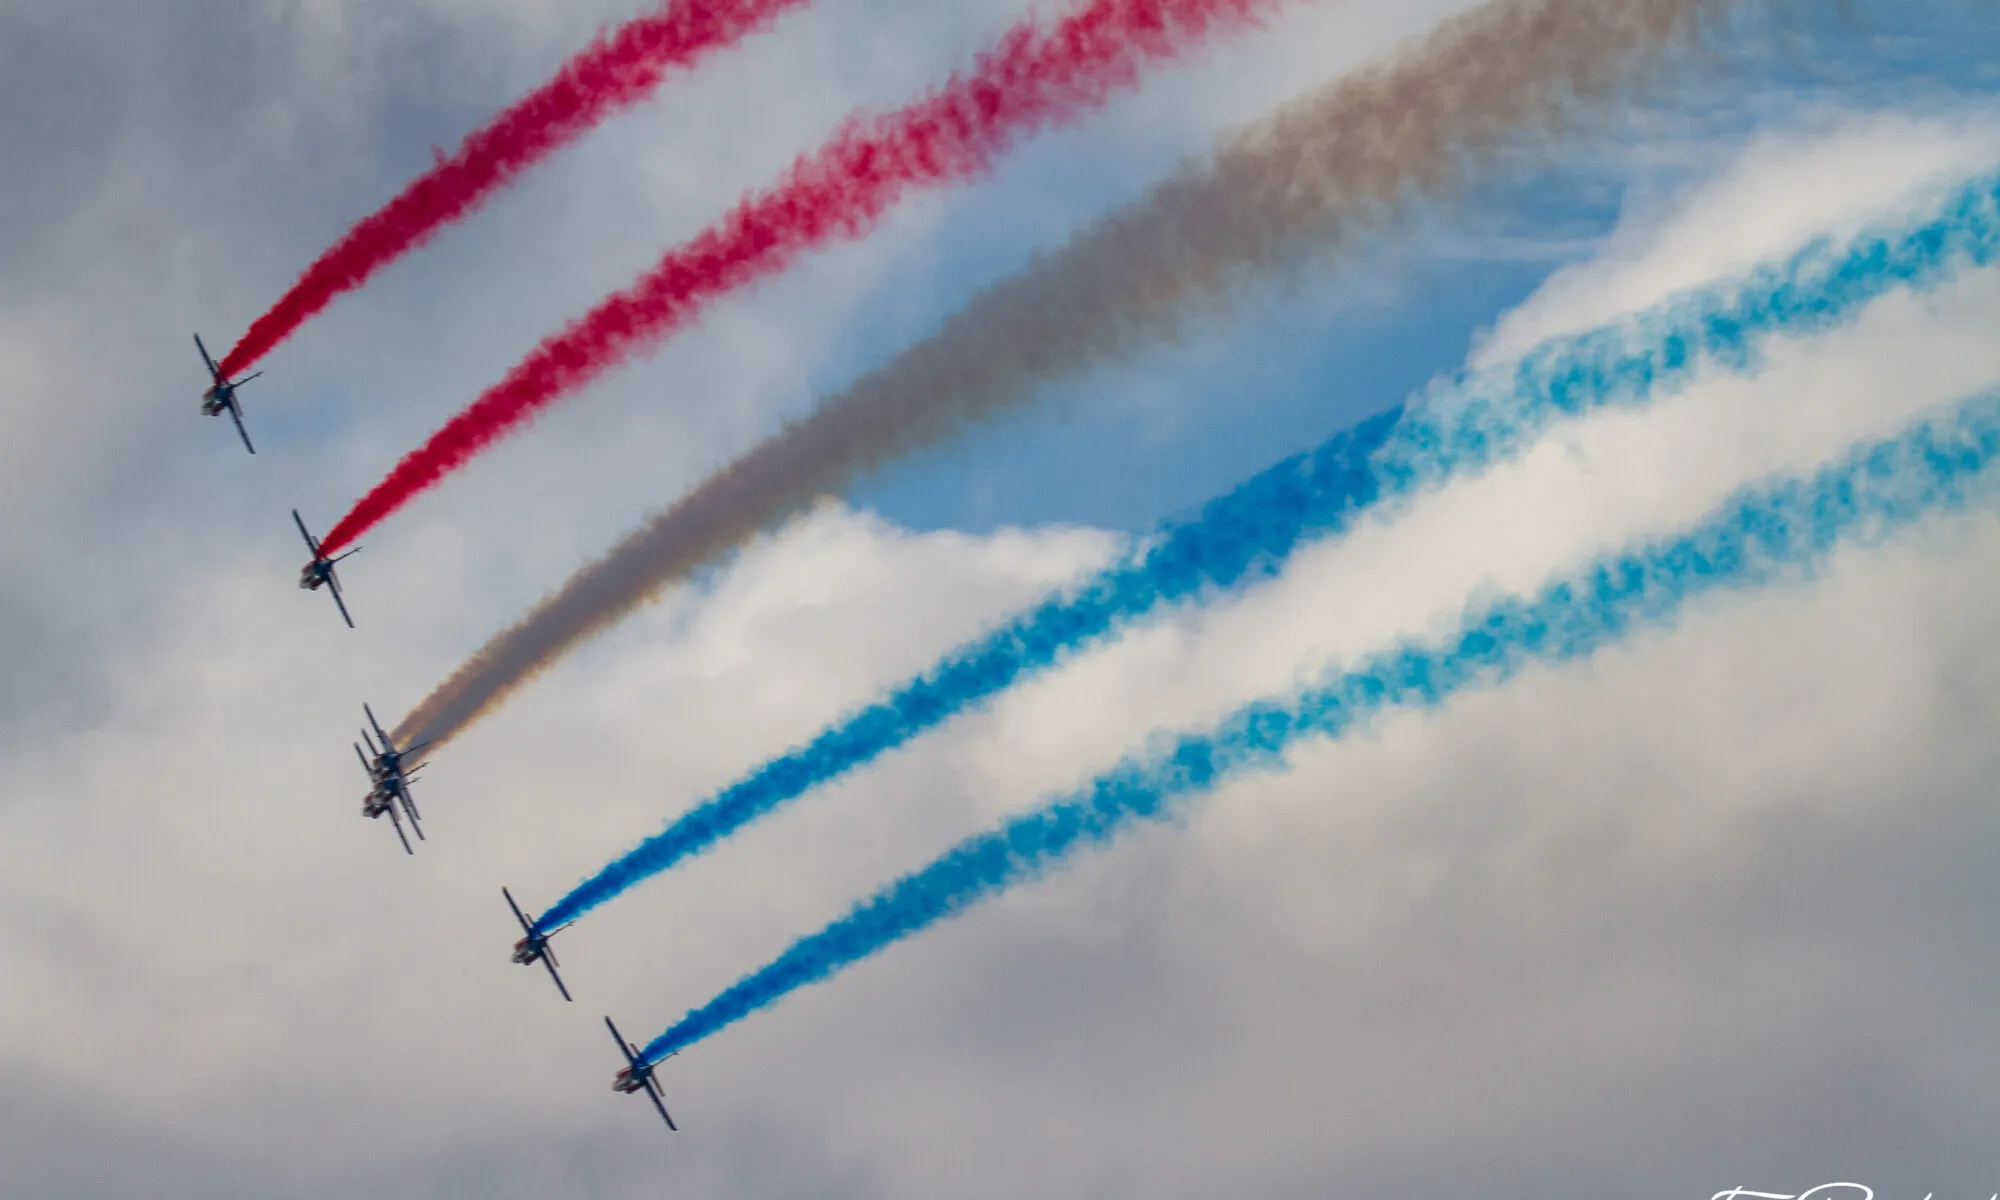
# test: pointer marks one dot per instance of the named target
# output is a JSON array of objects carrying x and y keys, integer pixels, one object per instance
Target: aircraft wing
[
  {"x": 380, "y": 735},
  {"x": 402, "y": 784},
  {"x": 333, "y": 585},
  {"x": 653, "y": 1094},
  {"x": 550, "y": 963},
  {"x": 312, "y": 543},
  {"x": 402, "y": 794},
  {"x": 398, "y": 823},
  {"x": 212, "y": 368},
  {"x": 527, "y": 926},
  {"x": 236, "y": 415},
  {"x": 618, "y": 1039}
]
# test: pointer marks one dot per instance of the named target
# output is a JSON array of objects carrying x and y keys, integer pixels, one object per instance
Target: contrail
[
  {"x": 1321, "y": 172},
  {"x": 617, "y": 70},
  {"x": 1763, "y": 536},
  {"x": 1038, "y": 75},
  {"x": 1460, "y": 428}
]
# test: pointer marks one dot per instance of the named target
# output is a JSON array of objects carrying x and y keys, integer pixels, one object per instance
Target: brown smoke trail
[{"x": 1329, "y": 166}]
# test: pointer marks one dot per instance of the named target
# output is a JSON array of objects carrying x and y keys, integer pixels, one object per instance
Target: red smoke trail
[
  {"x": 1035, "y": 76},
  {"x": 616, "y": 70}
]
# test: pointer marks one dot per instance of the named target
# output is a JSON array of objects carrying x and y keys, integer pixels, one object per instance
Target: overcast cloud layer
[{"x": 1715, "y": 908}]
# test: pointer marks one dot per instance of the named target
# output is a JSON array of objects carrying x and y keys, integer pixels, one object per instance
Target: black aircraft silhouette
[
  {"x": 381, "y": 801},
  {"x": 535, "y": 947},
  {"x": 637, "y": 1076},
  {"x": 221, "y": 396},
  {"x": 320, "y": 570},
  {"x": 391, "y": 779}
]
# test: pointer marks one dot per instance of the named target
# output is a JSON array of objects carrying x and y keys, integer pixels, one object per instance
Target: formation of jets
[
  {"x": 389, "y": 781},
  {"x": 221, "y": 398},
  {"x": 392, "y": 769}
]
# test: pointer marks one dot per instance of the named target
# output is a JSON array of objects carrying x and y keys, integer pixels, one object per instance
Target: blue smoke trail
[
  {"x": 1464, "y": 426},
  {"x": 1761, "y": 536}
]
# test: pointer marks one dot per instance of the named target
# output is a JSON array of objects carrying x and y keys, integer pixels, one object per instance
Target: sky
[{"x": 1711, "y": 908}]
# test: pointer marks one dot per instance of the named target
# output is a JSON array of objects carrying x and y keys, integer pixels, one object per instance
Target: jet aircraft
[
  {"x": 320, "y": 570},
  {"x": 221, "y": 396},
  {"x": 535, "y": 947},
  {"x": 388, "y": 763},
  {"x": 637, "y": 1076},
  {"x": 381, "y": 801},
  {"x": 390, "y": 766},
  {"x": 391, "y": 779}
]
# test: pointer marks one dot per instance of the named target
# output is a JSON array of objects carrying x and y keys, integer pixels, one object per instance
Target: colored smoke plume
[
  {"x": 1321, "y": 172},
  {"x": 1038, "y": 75},
  {"x": 617, "y": 70},
  {"x": 1766, "y": 535},
  {"x": 1250, "y": 533}
]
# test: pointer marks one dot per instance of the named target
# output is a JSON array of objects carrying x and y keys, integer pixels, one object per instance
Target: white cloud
[{"x": 1778, "y": 192}]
